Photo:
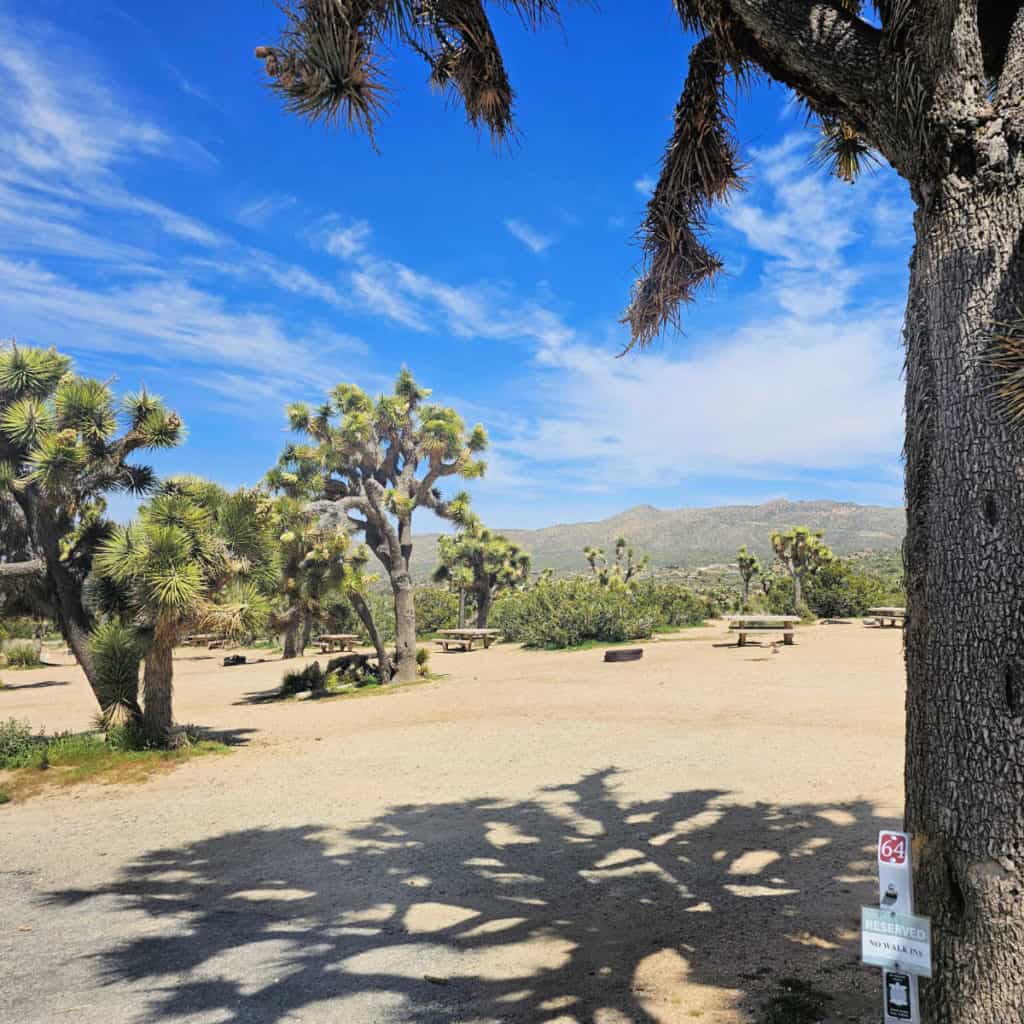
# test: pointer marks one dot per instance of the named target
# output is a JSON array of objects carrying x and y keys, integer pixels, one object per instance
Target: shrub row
[{"x": 559, "y": 613}]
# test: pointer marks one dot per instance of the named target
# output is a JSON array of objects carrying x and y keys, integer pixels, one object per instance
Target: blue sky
[{"x": 166, "y": 223}]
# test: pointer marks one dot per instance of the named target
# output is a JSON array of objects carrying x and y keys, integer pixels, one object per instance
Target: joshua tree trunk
[
  {"x": 405, "y": 628},
  {"x": 798, "y": 591},
  {"x": 483, "y": 606},
  {"x": 73, "y": 620},
  {"x": 965, "y": 595},
  {"x": 293, "y": 635},
  {"x": 366, "y": 618},
  {"x": 462, "y": 607},
  {"x": 307, "y": 631},
  {"x": 158, "y": 685}
]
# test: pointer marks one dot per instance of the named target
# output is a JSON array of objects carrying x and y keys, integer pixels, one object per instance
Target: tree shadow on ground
[{"x": 577, "y": 905}]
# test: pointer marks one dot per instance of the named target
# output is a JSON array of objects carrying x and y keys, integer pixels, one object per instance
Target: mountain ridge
[{"x": 692, "y": 537}]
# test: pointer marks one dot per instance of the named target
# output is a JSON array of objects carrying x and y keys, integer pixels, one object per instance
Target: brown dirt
[{"x": 536, "y": 836}]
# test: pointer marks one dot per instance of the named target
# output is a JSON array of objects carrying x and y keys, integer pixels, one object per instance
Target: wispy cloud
[
  {"x": 347, "y": 241},
  {"x": 260, "y": 211},
  {"x": 66, "y": 136},
  {"x": 645, "y": 186},
  {"x": 530, "y": 237}
]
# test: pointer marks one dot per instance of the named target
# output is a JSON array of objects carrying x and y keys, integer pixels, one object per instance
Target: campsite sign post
[{"x": 892, "y": 937}]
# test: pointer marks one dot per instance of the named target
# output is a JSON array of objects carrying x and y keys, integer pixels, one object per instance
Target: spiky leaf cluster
[
  {"x": 64, "y": 445},
  {"x": 376, "y": 461},
  {"x": 478, "y": 557},
  {"x": 801, "y": 550},
  {"x": 328, "y": 64},
  {"x": 317, "y": 564},
  {"x": 624, "y": 567},
  {"x": 167, "y": 564},
  {"x": 874, "y": 79}
]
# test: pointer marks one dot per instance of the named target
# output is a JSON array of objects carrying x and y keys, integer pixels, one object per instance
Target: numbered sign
[{"x": 896, "y": 893}]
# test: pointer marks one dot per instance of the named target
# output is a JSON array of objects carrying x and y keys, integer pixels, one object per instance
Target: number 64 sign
[{"x": 892, "y": 848}]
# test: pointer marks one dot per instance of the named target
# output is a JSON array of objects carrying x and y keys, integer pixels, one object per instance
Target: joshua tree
[
  {"x": 802, "y": 553},
  {"x": 936, "y": 90},
  {"x": 622, "y": 570},
  {"x": 489, "y": 561},
  {"x": 372, "y": 464},
  {"x": 60, "y": 453},
  {"x": 163, "y": 570},
  {"x": 749, "y": 567},
  {"x": 319, "y": 563}
]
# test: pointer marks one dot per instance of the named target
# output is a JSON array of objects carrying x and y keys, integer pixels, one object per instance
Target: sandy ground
[{"x": 534, "y": 837}]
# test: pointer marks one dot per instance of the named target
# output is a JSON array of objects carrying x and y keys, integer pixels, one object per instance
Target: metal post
[{"x": 896, "y": 892}]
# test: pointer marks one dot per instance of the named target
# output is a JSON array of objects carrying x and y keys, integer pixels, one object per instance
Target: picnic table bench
[
  {"x": 210, "y": 640},
  {"x": 463, "y": 639},
  {"x": 892, "y": 614},
  {"x": 745, "y": 624},
  {"x": 343, "y": 642}
]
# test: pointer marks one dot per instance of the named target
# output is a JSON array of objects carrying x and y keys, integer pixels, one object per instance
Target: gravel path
[{"x": 535, "y": 837}]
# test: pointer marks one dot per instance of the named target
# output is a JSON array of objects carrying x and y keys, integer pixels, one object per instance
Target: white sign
[
  {"x": 900, "y": 1000},
  {"x": 899, "y": 942}
]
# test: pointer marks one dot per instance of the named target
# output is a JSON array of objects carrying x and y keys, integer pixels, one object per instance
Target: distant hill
[{"x": 692, "y": 537}]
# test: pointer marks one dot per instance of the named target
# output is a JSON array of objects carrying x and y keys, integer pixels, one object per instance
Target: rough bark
[
  {"x": 483, "y": 605},
  {"x": 405, "y": 628},
  {"x": 158, "y": 685},
  {"x": 293, "y": 633},
  {"x": 965, "y": 578}
]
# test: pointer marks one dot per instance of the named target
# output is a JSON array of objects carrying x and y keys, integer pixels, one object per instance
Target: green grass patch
[
  {"x": 5, "y": 797},
  {"x": 35, "y": 761}
]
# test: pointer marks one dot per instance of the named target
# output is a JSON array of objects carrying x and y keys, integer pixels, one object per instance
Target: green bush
[
  {"x": 20, "y": 627},
  {"x": 839, "y": 590},
  {"x": 382, "y": 607},
  {"x": 676, "y": 605},
  {"x": 436, "y": 608},
  {"x": 18, "y": 745},
  {"x": 567, "y": 613},
  {"x": 22, "y": 655},
  {"x": 341, "y": 617}
]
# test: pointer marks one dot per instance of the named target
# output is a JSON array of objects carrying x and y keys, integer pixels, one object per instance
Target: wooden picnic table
[
  {"x": 744, "y": 624},
  {"x": 464, "y": 638},
  {"x": 211, "y": 640},
  {"x": 891, "y": 613},
  {"x": 336, "y": 642}
]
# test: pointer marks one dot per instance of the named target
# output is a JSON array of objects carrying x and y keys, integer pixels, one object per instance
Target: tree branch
[
  {"x": 825, "y": 53},
  {"x": 35, "y": 567}
]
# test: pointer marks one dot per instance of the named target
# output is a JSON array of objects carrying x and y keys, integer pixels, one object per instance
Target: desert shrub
[
  {"x": 423, "y": 660},
  {"x": 19, "y": 627},
  {"x": 302, "y": 680},
  {"x": 436, "y": 608},
  {"x": 18, "y": 745},
  {"x": 838, "y": 590},
  {"x": 22, "y": 654},
  {"x": 567, "y": 613},
  {"x": 673, "y": 604},
  {"x": 382, "y": 607},
  {"x": 340, "y": 617}
]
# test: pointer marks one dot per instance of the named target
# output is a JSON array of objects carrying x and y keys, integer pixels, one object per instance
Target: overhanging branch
[{"x": 824, "y": 52}]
